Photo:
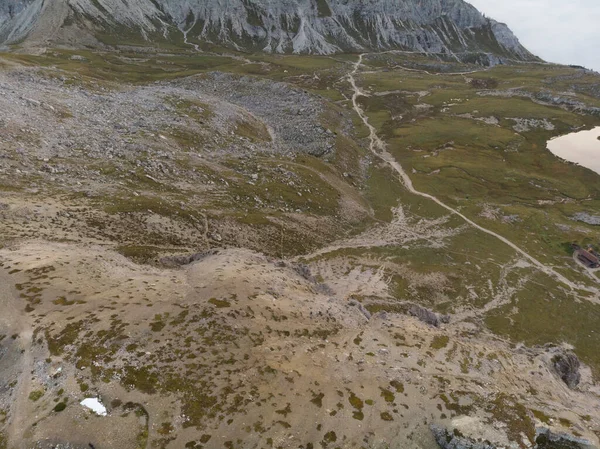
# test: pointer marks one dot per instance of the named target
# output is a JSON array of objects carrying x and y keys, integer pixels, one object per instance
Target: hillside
[{"x": 242, "y": 250}]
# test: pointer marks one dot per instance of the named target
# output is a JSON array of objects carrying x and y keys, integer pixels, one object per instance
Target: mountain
[{"x": 451, "y": 27}]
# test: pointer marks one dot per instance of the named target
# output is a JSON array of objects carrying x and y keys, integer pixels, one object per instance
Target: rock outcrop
[
  {"x": 427, "y": 316},
  {"x": 450, "y": 27},
  {"x": 545, "y": 439},
  {"x": 567, "y": 367}
]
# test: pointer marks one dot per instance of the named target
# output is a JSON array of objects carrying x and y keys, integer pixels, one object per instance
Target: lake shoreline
[{"x": 580, "y": 147}]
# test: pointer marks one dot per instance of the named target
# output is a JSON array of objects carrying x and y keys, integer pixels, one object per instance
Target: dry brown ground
[{"x": 245, "y": 349}]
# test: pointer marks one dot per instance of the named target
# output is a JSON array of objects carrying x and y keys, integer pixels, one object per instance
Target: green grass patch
[
  {"x": 439, "y": 342},
  {"x": 36, "y": 395},
  {"x": 219, "y": 303}
]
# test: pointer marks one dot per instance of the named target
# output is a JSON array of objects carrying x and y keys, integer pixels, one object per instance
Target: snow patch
[{"x": 95, "y": 405}]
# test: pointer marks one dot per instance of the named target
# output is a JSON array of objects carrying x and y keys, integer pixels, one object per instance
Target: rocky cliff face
[
  {"x": 451, "y": 27},
  {"x": 17, "y": 18}
]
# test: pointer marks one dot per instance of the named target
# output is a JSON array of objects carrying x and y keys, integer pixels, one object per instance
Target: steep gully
[
  {"x": 185, "y": 40},
  {"x": 378, "y": 147}
]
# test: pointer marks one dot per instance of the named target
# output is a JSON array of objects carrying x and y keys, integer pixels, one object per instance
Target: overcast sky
[{"x": 564, "y": 31}]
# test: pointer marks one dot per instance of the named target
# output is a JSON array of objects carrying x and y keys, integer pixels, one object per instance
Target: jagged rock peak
[{"x": 452, "y": 27}]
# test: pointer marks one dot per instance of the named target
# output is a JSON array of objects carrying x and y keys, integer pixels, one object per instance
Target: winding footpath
[{"x": 378, "y": 147}]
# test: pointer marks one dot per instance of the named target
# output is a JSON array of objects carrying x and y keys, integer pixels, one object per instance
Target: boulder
[
  {"x": 567, "y": 365},
  {"x": 427, "y": 316}
]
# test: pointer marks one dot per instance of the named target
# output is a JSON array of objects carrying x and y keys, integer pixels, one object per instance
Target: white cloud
[{"x": 561, "y": 31}]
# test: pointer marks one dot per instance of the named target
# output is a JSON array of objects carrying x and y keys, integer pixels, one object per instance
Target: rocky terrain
[
  {"x": 452, "y": 28},
  {"x": 207, "y": 248}
]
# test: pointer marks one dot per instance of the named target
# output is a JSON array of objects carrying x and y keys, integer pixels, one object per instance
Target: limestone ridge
[{"x": 451, "y": 27}]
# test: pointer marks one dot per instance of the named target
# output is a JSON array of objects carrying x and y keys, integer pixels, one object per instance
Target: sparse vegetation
[{"x": 60, "y": 407}]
